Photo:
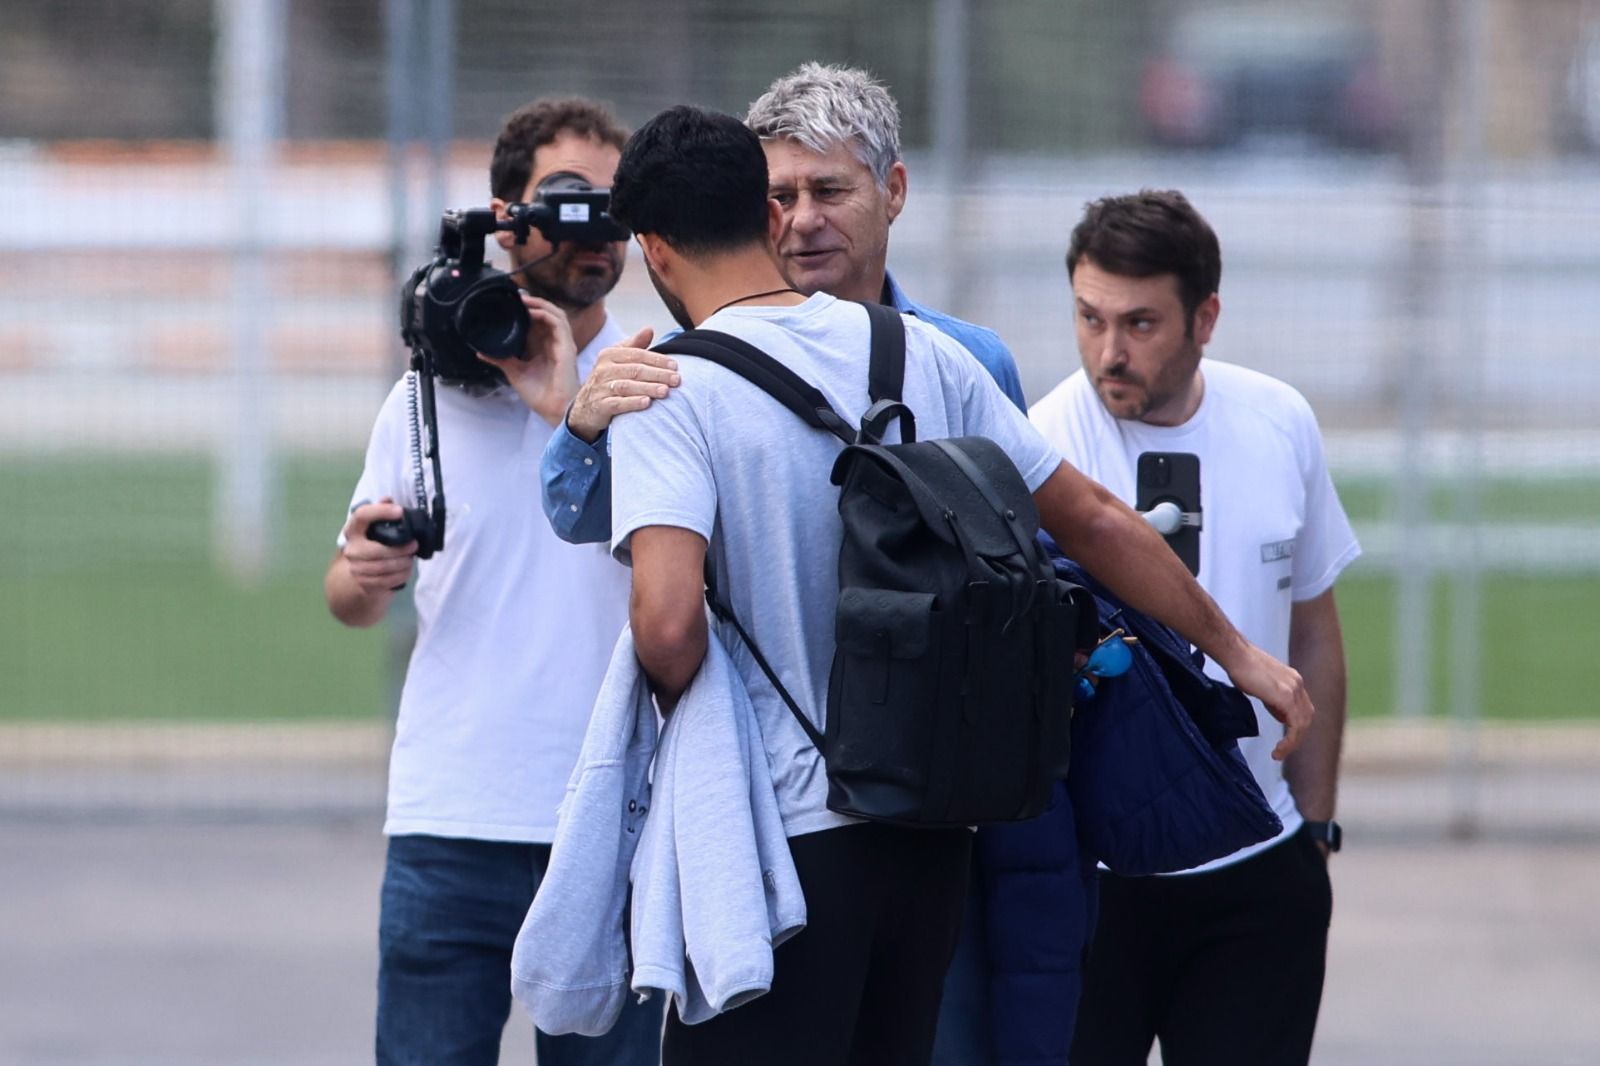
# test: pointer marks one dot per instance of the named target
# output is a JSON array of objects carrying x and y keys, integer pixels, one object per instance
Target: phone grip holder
[{"x": 1167, "y": 518}]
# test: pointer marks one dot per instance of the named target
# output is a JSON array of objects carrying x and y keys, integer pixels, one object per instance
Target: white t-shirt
[
  {"x": 514, "y": 626},
  {"x": 719, "y": 455},
  {"x": 1274, "y": 532}
]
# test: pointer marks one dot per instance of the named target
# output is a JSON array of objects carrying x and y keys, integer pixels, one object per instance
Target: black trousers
[
  {"x": 1223, "y": 967},
  {"x": 860, "y": 985}
]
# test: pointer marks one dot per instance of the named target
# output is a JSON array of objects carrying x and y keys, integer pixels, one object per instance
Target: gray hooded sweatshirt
[{"x": 714, "y": 885}]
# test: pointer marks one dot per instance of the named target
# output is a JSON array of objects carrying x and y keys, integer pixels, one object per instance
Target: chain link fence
[{"x": 208, "y": 204}]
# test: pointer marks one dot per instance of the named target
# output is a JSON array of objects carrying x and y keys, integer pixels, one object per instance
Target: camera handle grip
[{"x": 393, "y": 533}]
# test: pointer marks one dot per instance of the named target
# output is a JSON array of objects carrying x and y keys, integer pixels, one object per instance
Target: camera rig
[
  {"x": 456, "y": 306},
  {"x": 425, "y": 525}
]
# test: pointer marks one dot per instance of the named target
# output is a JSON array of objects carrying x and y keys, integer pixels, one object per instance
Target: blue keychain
[{"x": 1111, "y": 658}]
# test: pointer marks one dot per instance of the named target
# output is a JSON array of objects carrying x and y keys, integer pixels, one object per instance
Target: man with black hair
[
  {"x": 718, "y": 469},
  {"x": 1222, "y": 963},
  {"x": 514, "y": 631},
  {"x": 831, "y": 135}
]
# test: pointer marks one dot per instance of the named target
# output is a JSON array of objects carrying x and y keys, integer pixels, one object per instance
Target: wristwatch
[{"x": 1329, "y": 833}]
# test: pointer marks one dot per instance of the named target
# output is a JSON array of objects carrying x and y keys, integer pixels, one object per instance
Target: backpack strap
[
  {"x": 1026, "y": 544},
  {"x": 887, "y": 376},
  {"x": 1027, "y": 547},
  {"x": 724, "y": 610},
  {"x": 885, "y": 379},
  {"x": 765, "y": 373}
]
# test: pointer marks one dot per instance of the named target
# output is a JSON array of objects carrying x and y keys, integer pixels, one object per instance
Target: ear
[
  {"x": 503, "y": 238},
  {"x": 1205, "y": 319},
  {"x": 654, "y": 249},
  {"x": 774, "y": 221},
  {"x": 896, "y": 185}
]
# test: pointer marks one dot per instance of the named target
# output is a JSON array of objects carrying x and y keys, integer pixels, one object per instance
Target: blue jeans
[{"x": 451, "y": 910}]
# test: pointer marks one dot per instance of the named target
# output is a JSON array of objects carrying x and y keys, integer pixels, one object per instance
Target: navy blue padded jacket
[{"x": 1157, "y": 784}]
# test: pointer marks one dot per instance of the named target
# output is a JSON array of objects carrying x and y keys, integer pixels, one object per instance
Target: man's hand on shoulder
[
  {"x": 546, "y": 377},
  {"x": 626, "y": 377},
  {"x": 1278, "y": 686}
]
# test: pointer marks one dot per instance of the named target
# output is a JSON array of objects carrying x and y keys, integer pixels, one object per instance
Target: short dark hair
[
  {"x": 1149, "y": 233},
  {"x": 532, "y": 126},
  {"x": 695, "y": 178}
]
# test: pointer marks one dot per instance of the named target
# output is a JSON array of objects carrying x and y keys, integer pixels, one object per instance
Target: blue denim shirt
[{"x": 575, "y": 476}]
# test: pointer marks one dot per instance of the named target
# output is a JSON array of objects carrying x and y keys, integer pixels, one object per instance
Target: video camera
[{"x": 456, "y": 306}]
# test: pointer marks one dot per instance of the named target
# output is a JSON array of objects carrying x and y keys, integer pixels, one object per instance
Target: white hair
[{"x": 821, "y": 106}]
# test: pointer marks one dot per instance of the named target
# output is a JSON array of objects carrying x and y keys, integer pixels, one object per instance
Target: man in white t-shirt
[
  {"x": 514, "y": 632},
  {"x": 719, "y": 469},
  {"x": 1223, "y": 963}
]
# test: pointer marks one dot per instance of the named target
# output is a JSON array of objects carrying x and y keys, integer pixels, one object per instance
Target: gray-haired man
[{"x": 832, "y": 141}]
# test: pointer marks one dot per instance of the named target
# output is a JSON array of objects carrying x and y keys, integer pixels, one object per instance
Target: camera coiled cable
[{"x": 414, "y": 407}]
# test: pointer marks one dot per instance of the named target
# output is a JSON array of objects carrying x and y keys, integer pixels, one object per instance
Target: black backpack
[{"x": 950, "y": 697}]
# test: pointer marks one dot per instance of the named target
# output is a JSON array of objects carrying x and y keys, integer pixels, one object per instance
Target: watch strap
[{"x": 1330, "y": 833}]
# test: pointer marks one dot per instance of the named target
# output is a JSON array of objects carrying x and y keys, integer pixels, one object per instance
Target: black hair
[
  {"x": 531, "y": 127},
  {"x": 695, "y": 178},
  {"x": 1149, "y": 233}
]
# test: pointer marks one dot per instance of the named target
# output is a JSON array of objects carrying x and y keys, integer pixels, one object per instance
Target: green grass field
[{"x": 113, "y": 607}]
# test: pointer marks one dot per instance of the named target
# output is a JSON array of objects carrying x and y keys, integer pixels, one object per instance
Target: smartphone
[{"x": 1174, "y": 477}]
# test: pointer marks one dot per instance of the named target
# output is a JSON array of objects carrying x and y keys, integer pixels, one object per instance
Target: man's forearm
[
  {"x": 670, "y": 658},
  {"x": 347, "y": 601},
  {"x": 576, "y": 487},
  {"x": 1316, "y": 649},
  {"x": 669, "y": 644},
  {"x": 666, "y": 609},
  {"x": 1110, "y": 540}
]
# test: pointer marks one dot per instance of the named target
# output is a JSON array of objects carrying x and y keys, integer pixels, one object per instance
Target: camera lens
[{"x": 493, "y": 321}]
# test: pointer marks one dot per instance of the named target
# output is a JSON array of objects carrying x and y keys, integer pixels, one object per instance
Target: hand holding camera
[
  {"x": 470, "y": 324},
  {"x": 378, "y": 565},
  {"x": 546, "y": 375},
  {"x": 457, "y": 307}
]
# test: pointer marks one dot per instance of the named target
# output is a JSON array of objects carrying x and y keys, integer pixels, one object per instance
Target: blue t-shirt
[{"x": 575, "y": 477}]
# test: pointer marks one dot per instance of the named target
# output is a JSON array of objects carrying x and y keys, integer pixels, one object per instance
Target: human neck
[
  {"x": 873, "y": 288},
  {"x": 1181, "y": 407},
  {"x": 746, "y": 278}
]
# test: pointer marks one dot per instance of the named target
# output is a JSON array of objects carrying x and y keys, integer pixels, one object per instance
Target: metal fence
[{"x": 207, "y": 203}]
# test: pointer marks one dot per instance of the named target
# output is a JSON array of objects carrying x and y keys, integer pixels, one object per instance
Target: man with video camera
[{"x": 514, "y": 627}]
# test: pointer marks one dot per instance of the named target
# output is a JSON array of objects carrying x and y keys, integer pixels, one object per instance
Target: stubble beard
[
  {"x": 572, "y": 288},
  {"x": 675, "y": 306}
]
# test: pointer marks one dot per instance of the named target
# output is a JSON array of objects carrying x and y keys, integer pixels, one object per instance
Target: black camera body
[
  {"x": 416, "y": 524},
  {"x": 457, "y": 306}
]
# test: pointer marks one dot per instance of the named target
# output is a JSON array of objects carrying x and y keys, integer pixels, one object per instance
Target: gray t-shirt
[{"x": 722, "y": 458}]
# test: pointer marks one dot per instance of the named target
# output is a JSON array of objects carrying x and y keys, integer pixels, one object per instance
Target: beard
[
  {"x": 570, "y": 286},
  {"x": 675, "y": 308},
  {"x": 1140, "y": 394}
]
